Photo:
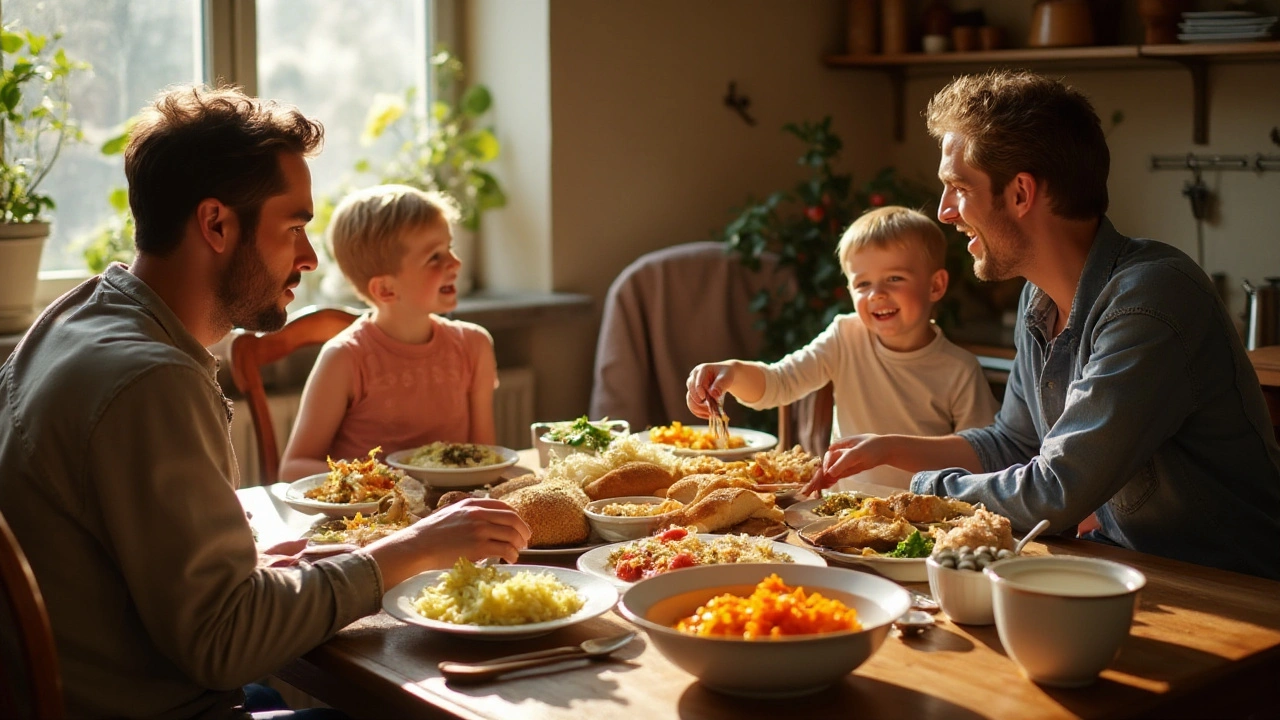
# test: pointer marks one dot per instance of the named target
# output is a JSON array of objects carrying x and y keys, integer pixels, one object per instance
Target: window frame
[{"x": 230, "y": 55}]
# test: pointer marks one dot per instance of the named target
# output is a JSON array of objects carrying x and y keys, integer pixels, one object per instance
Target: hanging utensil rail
[{"x": 1258, "y": 162}]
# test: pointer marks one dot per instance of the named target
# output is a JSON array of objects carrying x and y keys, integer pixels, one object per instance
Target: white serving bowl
[
  {"x": 450, "y": 478},
  {"x": 1062, "y": 619},
  {"x": 764, "y": 668},
  {"x": 964, "y": 595},
  {"x": 617, "y": 529},
  {"x": 549, "y": 449}
]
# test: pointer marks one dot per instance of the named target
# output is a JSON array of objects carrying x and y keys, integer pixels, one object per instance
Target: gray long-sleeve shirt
[
  {"x": 118, "y": 478},
  {"x": 1144, "y": 409}
]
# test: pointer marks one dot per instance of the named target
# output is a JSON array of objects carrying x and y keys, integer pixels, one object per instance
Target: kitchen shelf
[{"x": 1195, "y": 57}]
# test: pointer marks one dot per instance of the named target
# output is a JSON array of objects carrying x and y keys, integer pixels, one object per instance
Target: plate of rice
[
  {"x": 501, "y": 602},
  {"x": 623, "y": 563},
  {"x": 453, "y": 465}
]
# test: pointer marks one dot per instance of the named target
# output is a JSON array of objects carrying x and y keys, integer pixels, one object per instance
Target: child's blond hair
[
  {"x": 366, "y": 229},
  {"x": 894, "y": 226}
]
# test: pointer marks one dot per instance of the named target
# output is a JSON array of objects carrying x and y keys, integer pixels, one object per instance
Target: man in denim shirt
[{"x": 1131, "y": 397}]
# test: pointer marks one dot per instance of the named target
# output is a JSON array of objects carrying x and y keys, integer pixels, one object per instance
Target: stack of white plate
[{"x": 1225, "y": 26}]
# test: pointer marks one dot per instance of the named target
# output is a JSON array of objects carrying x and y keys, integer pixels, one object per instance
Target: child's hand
[{"x": 707, "y": 381}]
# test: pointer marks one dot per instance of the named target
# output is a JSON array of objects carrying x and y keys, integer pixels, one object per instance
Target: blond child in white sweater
[{"x": 892, "y": 368}]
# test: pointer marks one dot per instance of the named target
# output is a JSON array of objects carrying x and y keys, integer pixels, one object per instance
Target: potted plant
[
  {"x": 441, "y": 148},
  {"x": 34, "y": 123}
]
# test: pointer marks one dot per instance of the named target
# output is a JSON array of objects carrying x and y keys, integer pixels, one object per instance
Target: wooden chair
[
  {"x": 250, "y": 351},
  {"x": 30, "y": 684},
  {"x": 808, "y": 421}
]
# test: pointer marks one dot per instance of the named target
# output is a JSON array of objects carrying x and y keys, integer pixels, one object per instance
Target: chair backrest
[
  {"x": 31, "y": 686},
  {"x": 808, "y": 421},
  {"x": 666, "y": 312},
  {"x": 250, "y": 351}
]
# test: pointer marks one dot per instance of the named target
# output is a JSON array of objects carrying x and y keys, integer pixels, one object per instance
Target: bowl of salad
[{"x": 559, "y": 439}]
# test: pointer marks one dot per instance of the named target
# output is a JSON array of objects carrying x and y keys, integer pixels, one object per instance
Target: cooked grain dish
[
  {"x": 678, "y": 548},
  {"x": 640, "y": 509},
  {"x": 469, "y": 595},
  {"x": 453, "y": 456}
]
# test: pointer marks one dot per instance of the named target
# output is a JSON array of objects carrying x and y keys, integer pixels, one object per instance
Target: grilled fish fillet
[
  {"x": 724, "y": 508},
  {"x": 873, "y": 531},
  {"x": 927, "y": 508}
]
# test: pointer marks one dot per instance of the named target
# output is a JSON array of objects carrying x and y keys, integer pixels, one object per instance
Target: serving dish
[
  {"x": 595, "y": 562},
  {"x": 802, "y": 513},
  {"x": 757, "y": 441},
  {"x": 452, "y": 478},
  {"x": 900, "y": 569},
  {"x": 549, "y": 449},
  {"x": 774, "y": 667},
  {"x": 613, "y": 528},
  {"x": 294, "y": 496},
  {"x": 598, "y": 597}
]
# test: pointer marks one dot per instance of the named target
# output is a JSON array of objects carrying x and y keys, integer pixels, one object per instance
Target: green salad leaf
[
  {"x": 583, "y": 433},
  {"x": 915, "y": 546}
]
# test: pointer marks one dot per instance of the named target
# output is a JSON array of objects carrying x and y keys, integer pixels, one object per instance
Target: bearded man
[
  {"x": 1131, "y": 397},
  {"x": 116, "y": 468}
]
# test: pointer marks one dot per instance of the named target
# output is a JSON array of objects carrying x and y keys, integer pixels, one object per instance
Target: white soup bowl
[{"x": 1062, "y": 619}]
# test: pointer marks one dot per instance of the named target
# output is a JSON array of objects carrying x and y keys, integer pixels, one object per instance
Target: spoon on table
[
  {"x": 1039, "y": 528},
  {"x": 489, "y": 669}
]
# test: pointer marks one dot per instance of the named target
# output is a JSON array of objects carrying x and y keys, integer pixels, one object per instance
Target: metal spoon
[
  {"x": 489, "y": 669},
  {"x": 1039, "y": 528},
  {"x": 914, "y": 622}
]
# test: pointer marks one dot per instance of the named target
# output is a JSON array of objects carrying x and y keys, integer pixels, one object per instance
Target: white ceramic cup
[{"x": 1063, "y": 619}]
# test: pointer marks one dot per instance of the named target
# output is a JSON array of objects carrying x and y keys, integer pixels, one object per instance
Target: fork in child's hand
[{"x": 718, "y": 423}]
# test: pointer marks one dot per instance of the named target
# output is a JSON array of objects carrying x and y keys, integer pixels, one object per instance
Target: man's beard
[
  {"x": 1001, "y": 262},
  {"x": 247, "y": 293}
]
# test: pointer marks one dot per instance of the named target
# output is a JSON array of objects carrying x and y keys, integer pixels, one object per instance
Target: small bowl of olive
[{"x": 962, "y": 590}]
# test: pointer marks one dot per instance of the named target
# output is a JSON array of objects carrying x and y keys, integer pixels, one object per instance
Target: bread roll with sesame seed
[
  {"x": 512, "y": 485},
  {"x": 553, "y": 512},
  {"x": 633, "y": 478}
]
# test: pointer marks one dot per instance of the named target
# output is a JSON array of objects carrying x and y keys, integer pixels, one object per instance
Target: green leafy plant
[
  {"x": 112, "y": 239},
  {"x": 803, "y": 228},
  {"x": 442, "y": 148},
  {"x": 35, "y": 119}
]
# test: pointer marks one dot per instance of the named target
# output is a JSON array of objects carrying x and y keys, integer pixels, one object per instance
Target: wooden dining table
[{"x": 1204, "y": 643}]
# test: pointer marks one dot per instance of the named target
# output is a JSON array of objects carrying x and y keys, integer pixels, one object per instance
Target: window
[{"x": 328, "y": 58}]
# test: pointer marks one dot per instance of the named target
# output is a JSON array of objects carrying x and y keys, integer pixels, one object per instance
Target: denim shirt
[{"x": 1144, "y": 409}]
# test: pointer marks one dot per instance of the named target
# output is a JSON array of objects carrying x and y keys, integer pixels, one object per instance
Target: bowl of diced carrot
[{"x": 766, "y": 630}]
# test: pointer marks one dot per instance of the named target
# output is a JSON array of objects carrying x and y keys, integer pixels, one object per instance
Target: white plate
[
  {"x": 598, "y": 597},
  {"x": 1224, "y": 37},
  {"x": 757, "y": 441},
  {"x": 294, "y": 496},
  {"x": 801, "y": 513},
  {"x": 900, "y": 569},
  {"x": 1218, "y": 14},
  {"x": 590, "y": 544},
  {"x": 596, "y": 562},
  {"x": 471, "y": 477}
]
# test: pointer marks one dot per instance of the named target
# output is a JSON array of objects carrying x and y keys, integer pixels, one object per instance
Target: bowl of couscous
[{"x": 453, "y": 465}]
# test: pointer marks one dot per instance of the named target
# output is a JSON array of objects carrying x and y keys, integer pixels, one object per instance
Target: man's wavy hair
[
  {"x": 1015, "y": 121},
  {"x": 196, "y": 142}
]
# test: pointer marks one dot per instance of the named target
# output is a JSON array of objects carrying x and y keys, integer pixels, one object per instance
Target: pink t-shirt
[{"x": 407, "y": 395}]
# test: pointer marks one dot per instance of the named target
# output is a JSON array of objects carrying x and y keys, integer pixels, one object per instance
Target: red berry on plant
[
  {"x": 815, "y": 213},
  {"x": 876, "y": 200}
]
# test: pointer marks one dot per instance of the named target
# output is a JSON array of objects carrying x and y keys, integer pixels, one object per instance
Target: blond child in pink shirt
[{"x": 400, "y": 376}]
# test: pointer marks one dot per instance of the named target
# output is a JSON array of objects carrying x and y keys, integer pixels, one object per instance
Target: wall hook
[{"x": 739, "y": 103}]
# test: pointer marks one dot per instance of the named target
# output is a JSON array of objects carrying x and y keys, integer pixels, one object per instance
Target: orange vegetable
[{"x": 774, "y": 609}]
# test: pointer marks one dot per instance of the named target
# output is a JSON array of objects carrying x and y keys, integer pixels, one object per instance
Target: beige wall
[{"x": 617, "y": 141}]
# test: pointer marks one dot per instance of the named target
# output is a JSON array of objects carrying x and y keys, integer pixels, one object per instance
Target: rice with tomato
[{"x": 678, "y": 548}]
